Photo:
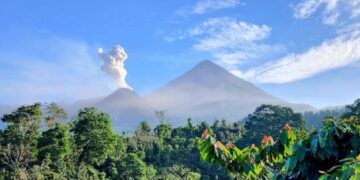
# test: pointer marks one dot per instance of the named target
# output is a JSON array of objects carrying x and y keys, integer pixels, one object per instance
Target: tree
[
  {"x": 269, "y": 120},
  {"x": 313, "y": 118},
  {"x": 352, "y": 110},
  {"x": 163, "y": 130},
  {"x": 54, "y": 146},
  {"x": 178, "y": 172},
  {"x": 18, "y": 141},
  {"x": 133, "y": 167},
  {"x": 143, "y": 129},
  {"x": 54, "y": 114},
  {"x": 93, "y": 135}
]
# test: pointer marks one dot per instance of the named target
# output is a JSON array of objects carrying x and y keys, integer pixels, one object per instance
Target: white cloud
[
  {"x": 226, "y": 32},
  {"x": 331, "y": 9},
  {"x": 340, "y": 51},
  {"x": 207, "y": 5},
  {"x": 233, "y": 43},
  {"x": 355, "y": 11},
  {"x": 331, "y": 54},
  {"x": 228, "y": 40},
  {"x": 306, "y": 8},
  {"x": 57, "y": 69}
]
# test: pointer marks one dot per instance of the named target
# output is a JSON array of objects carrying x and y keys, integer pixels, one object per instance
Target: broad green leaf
[
  {"x": 290, "y": 163},
  {"x": 301, "y": 153},
  {"x": 283, "y": 138},
  {"x": 323, "y": 139},
  {"x": 314, "y": 144}
]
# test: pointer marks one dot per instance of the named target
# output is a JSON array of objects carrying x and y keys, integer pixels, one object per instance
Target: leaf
[
  {"x": 333, "y": 168},
  {"x": 301, "y": 152},
  {"x": 357, "y": 168},
  {"x": 293, "y": 162},
  {"x": 287, "y": 150},
  {"x": 314, "y": 144},
  {"x": 324, "y": 177},
  {"x": 290, "y": 163},
  {"x": 283, "y": 138},
  {"x": 346, "y": 159},
  {"x": 323, "y": 139},
  {"x": 355, "y": 177}
]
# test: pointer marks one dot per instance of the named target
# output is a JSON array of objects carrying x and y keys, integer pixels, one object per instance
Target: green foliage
[
  {"x": 39, "y": 143},
  {"x": 54, "y": 145},
  {"x": 54, "y": 114},
  {"x": 93, "y": 135},
  {"x": 163, "y": 130},
  {"x": 352, "y": 110},
  {"x": 228, "y": 132},
  {"x": 269, "y": 120},
  {"x": 132, "y": 167},
  {"x": 143, "y": 129},
  {"x": 330, "y": 153},
  {"x": 18, "y": 141},
  {"x": 178, "y": 172},
  {"x": 325, "y": 150},
  {"x": 314, "y": 118}
]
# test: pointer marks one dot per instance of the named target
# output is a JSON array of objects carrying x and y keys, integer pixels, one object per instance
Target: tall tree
[
  {"x": 143, "y": 129},
  {"x": 132, "y": 167},
  {"x": 269, "y": 120},
  {"x": 54, "y": 114},
  {"x": 54, "y": 145},
  {"x": 19, "y": 139},
  {"x": 352, "y": 110},
  {"x": 163, "y": 130},
  {"x": 93, "y": 135}
]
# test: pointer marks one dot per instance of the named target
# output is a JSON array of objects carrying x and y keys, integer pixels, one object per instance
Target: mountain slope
[
  {"x": 73, "y": 108},
  {"x": 207, "y": 92},
  {"x": 126, "y": 109}
]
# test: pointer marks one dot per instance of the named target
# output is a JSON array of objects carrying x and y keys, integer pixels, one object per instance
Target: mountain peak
[
  {"x": 209, "y": 72},
  {"x": 206, "y": 61},
  {"x": 121, "y": 94},
  {"x": 123, "y": 90},
  {"x": 207, "y": 64},
  {"x": 207, "y": 68}
]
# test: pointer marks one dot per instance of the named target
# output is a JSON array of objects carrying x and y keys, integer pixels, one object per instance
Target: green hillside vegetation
[
  {"x": 333, "y": 152},
  {"x": 40, "y": 142}
]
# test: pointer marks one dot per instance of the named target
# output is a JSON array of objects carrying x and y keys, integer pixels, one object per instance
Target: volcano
[{"x": 209, "y": 92}]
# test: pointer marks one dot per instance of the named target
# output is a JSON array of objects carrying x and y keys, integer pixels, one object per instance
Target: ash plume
[{"x": 114, "y": 64}]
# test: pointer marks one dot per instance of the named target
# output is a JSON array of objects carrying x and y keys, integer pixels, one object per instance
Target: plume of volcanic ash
[{"x": 114, "y": 64}]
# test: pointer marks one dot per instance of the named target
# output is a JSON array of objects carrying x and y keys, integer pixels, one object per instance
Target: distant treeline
[
  {"x": 314, "y": 118},
  {"x": 40, "y": 142}
]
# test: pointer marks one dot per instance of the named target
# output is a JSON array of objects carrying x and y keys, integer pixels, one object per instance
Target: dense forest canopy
[{"x": 40, "y": 142}]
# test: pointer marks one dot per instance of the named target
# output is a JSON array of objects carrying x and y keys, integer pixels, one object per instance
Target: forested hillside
[{"x": 40, "y": 142}]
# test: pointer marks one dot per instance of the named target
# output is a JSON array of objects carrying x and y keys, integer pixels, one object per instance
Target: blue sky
[{"x": 305, "y": 51}]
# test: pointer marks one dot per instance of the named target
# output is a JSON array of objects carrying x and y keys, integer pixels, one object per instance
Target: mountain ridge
[
  {"x": 208, "y": 90},
  {"x": 205, "y": 92}
]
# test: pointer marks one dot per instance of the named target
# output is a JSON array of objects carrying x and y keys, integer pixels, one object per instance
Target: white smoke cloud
[{"x": 114, "y": 65}]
